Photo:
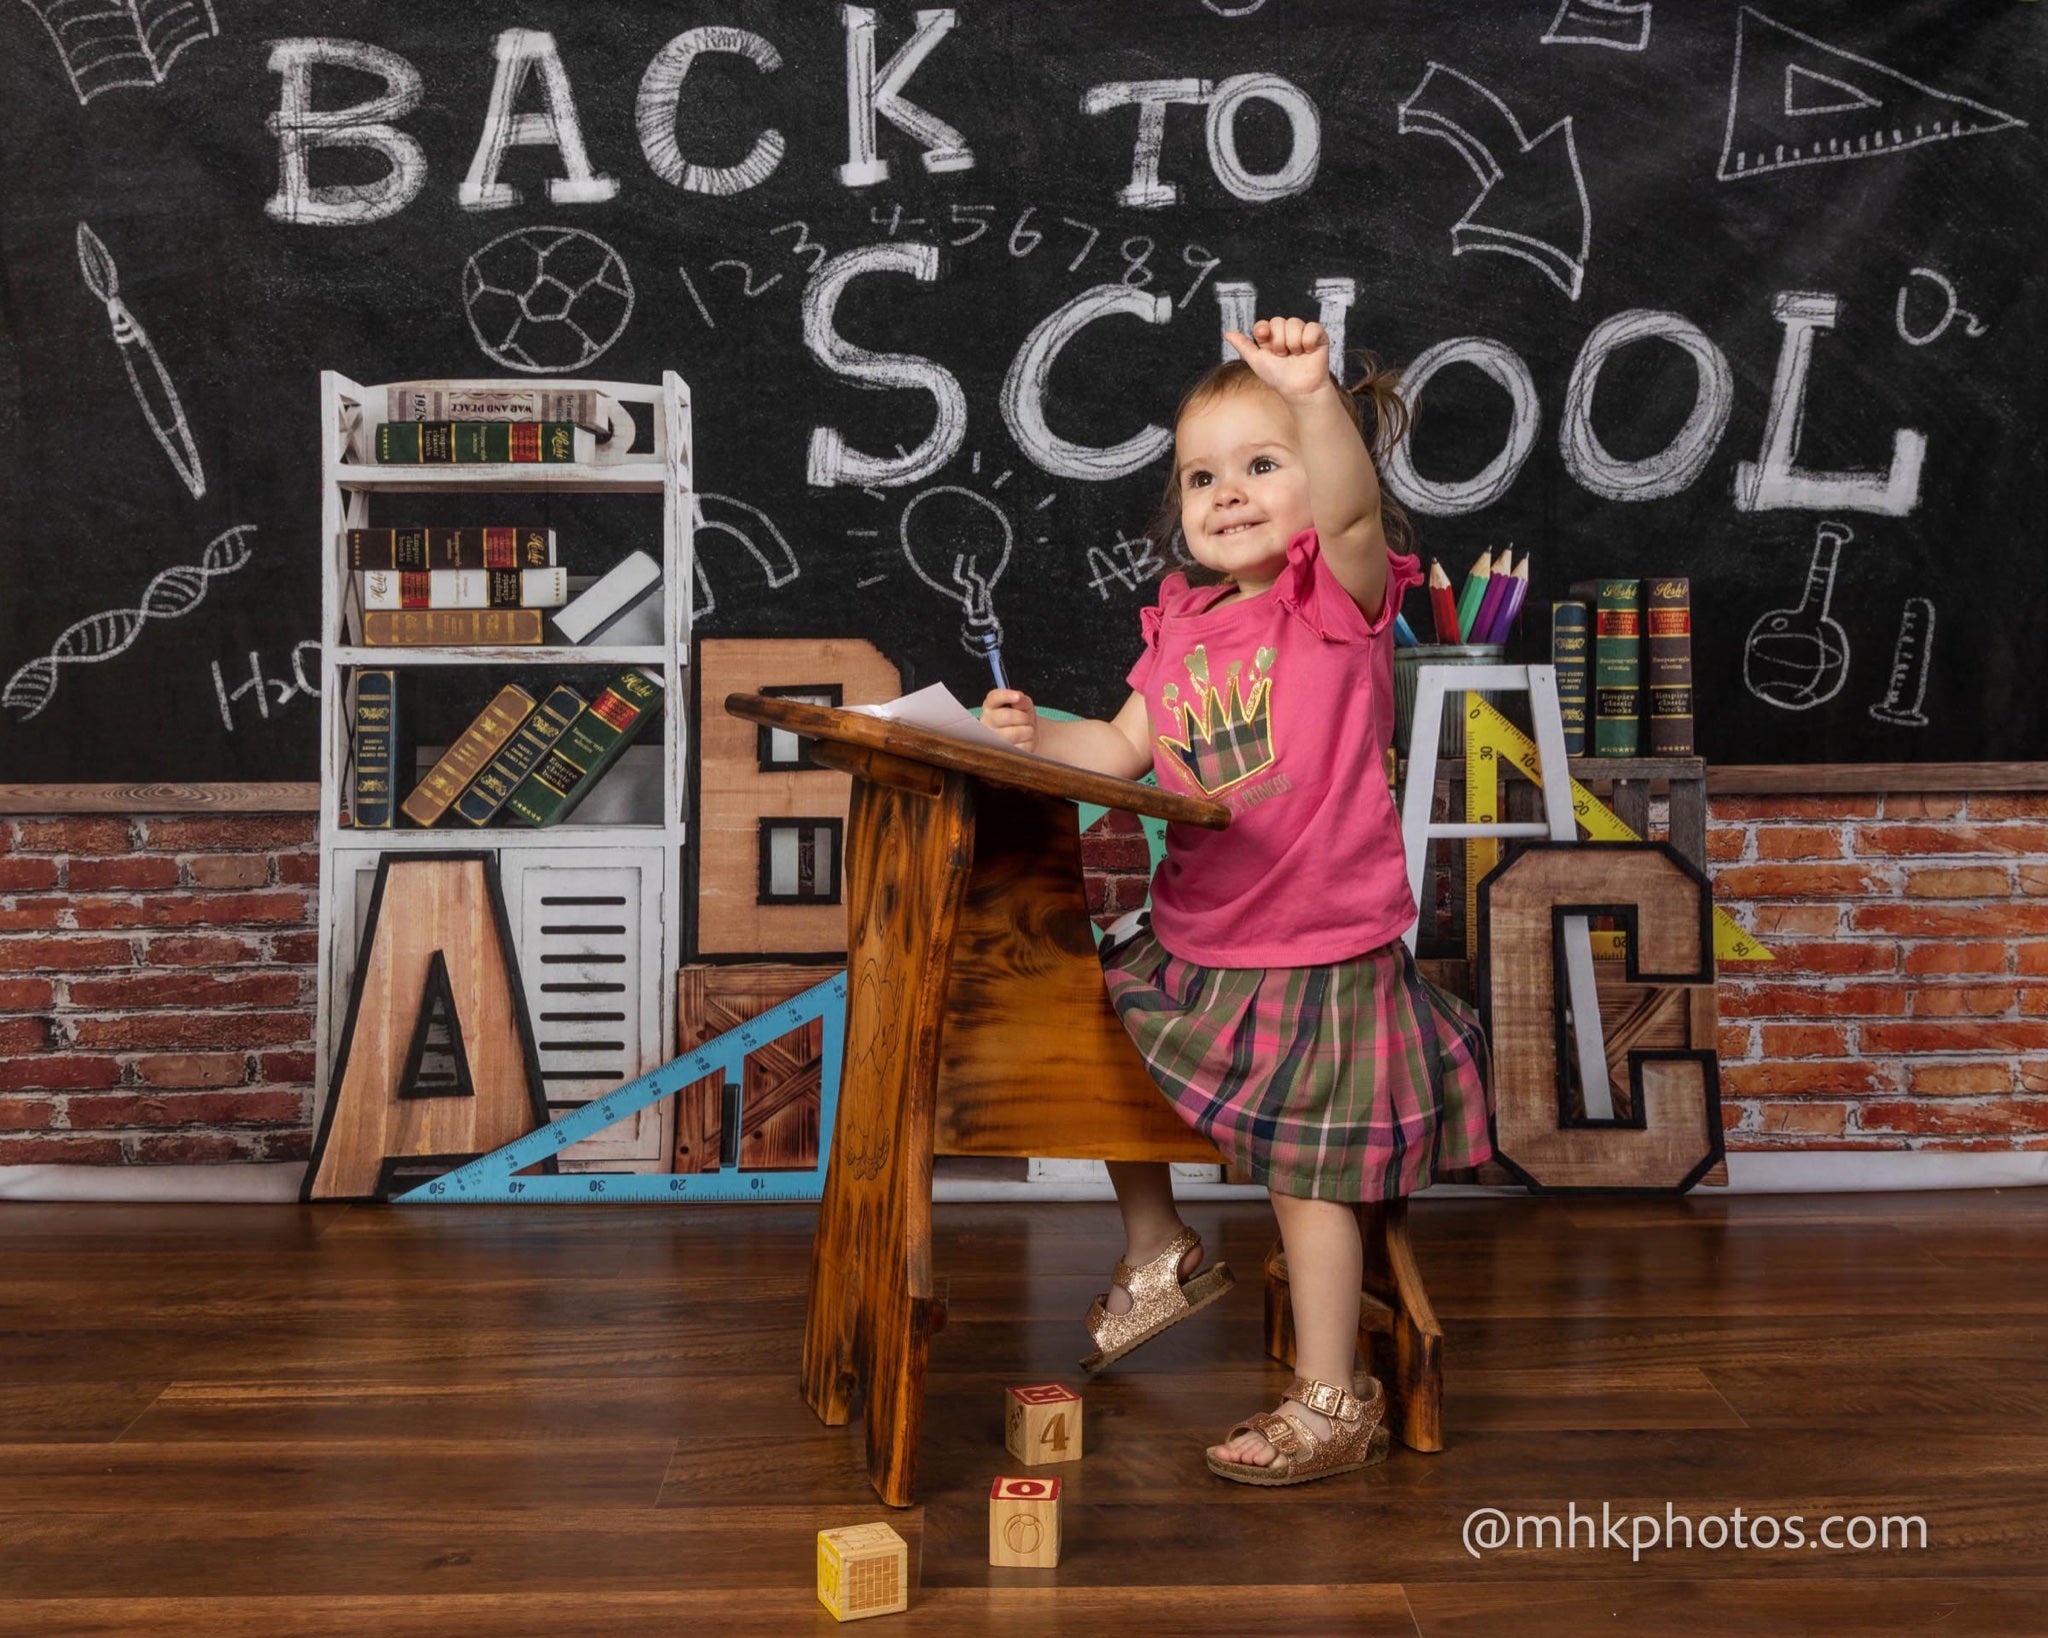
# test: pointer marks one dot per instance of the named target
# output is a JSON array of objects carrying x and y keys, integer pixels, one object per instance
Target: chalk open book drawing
[{"x": 105, "y": 44}]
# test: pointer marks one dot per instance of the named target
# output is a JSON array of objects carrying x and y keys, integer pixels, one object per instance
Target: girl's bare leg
[
  {"x": 1325, "y": 1264},
  {"x": 1144, "y": 1194}
]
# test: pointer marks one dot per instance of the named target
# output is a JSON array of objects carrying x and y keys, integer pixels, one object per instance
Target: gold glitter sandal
[
  {"x": 1356, "y": 1440},
  {"x": 1159, "y": 1301}
]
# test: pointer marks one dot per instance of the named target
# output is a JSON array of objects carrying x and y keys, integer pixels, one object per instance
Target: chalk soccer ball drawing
[{"x": 547, "y": 300}]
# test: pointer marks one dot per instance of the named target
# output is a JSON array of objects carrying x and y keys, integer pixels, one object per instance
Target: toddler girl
[{"x": 1272, "y": 997}]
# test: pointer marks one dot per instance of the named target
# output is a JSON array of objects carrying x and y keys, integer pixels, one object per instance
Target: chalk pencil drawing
[
  {"x": 1796, "y": 100},
  {"x": 1973, "y": 326},
  {"x": 99, "y": 637},
  {"x": 1532, "y": 201},
  {"x": 1905, "y": 689},
  {"x": 147, "y": 378},
  {"x": 1612, "y": 23},
  {"x": 1797, "y": 658},
  {"x": 107, "y": 44},
  {"x": 547, "y": 300},
  {"x": 754, "y": 531}
]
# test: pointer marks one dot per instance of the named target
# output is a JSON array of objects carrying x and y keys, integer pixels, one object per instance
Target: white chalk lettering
[
  {"x": 1305, "y": 154},
  {"x": 1024, "y": 388},
  {"x": 1145, "y": 191},
  {"x": 520, "y": 51},
  {"x": 831, "y": 460},
  {"x": 661, "y": 89},
  {"x": 869, "y": 95},
  {"x": 1674, "y": 467},
  {"x": 1450, "y": 498},
  {"x": 300, "y": 128}
]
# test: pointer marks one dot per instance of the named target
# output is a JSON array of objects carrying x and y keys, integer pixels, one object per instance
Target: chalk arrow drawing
[
  {"x": 1795, "y": 100},
  {"x": 1537, "y": 210},
  {"x": 1611, "y": 23},
  {"x": 148, "y": 379},
  {"x": 99, "y": 637},
  {"x": 110, "y": 43}
]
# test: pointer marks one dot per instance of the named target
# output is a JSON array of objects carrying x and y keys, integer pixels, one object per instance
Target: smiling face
[{"x": 1243, "y": 484}]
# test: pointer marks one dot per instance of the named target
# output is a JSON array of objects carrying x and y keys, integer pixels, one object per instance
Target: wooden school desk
[{"x": 977, "y": 1023}]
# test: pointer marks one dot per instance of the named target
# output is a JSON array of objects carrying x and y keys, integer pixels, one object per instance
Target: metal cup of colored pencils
[{"x": 1489, "y": 606}]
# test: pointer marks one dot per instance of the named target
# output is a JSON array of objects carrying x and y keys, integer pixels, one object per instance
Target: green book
[
  {"x": 492, "y": 788},
  {"x": 376, "y": 751},
  {"x": 587, "y": 748},
  {"x": 417, "y": 443},
  {"x": 1617, "y": 668}
]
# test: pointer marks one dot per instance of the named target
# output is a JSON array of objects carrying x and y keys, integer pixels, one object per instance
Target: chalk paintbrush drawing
[
  {"x": 547, "y": 300},
  {"x": 1612, "y": 23},
  {"x": 99, "y": 637},
  {"x": 1797, "y": 658},
  {"x": 161, "y": 406},
  {"x": 1973, "y": 326},
  {"x": 1796, "y": 100},
  {"x": 1532, "y": 193},
  {"x": 106, "y": 44},
  {"x": 1905, "y": 689}
]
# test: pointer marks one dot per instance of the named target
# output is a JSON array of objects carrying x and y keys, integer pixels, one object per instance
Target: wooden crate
[{"x": 780, "y": 1093}]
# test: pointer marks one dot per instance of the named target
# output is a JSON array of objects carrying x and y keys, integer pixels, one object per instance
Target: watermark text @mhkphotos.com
[{"x": 1494, "y": 1530}]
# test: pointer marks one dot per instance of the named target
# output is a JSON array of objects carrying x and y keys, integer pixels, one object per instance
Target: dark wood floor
[{"x": 262, "y": 1421}]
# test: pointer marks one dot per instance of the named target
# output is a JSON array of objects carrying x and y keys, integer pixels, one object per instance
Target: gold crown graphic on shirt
[{"x": 1225, "y": 734}]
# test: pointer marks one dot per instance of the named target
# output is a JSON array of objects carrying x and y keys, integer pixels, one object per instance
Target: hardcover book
[
  {"x": 468, "y": 756},
  {"x": 1617, "y": 667},
  {"x": 422, "y": 548},
  {"x": 375, "y": 750},
  {"x": 590, "y": 745},
  {"x": 464, "y": 443},
  {"x": 1667, "y": 618},
  {"x": 450, "y": 628},
  {"x": 1570, "y": 640},
  {"x": 491, "y": 788},
  {"x": 465, "y": 588}
]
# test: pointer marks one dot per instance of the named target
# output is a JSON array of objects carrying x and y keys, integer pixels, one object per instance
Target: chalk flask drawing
[
  {"x": 161, "y": 406},
  {"x": 105, "y": 44},
  {"x": 1797, "y": 658}
]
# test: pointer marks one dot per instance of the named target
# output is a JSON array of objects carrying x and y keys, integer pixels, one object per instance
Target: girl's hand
[
  {"x": 1291, "y": 355},
  {"x": 1012, "y": 715}
]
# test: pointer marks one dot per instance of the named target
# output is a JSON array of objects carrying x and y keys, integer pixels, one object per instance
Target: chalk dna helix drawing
[
  {"x": 106, "y": 44},
  {"x": 547, "y": 300},
  {"x": 1797, "y": 658},
  {"x": 148, "y": 379},
  {"x": 99, "y": 637}
]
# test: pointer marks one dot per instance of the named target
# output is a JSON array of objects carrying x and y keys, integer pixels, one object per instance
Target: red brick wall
[
  {"x": 156, "y": 988},
  {"x": 156, "y": 977}
]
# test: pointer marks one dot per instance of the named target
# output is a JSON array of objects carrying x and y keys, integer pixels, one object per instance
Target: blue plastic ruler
[{"x": 491, "y": 1179}]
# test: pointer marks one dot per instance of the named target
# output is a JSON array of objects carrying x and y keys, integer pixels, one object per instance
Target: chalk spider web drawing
[
  {"x": 105, "y": 44},
  {"x": 99, "y": 637},
  {"x": 1796, "y": 100},
  {"x": 547, "y": 300}
]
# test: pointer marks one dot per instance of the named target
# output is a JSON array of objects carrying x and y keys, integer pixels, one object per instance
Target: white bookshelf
[{"x": 623, "y": 933}]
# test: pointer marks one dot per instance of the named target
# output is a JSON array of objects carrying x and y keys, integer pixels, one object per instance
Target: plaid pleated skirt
[{"x": 1360, "y": 1080}]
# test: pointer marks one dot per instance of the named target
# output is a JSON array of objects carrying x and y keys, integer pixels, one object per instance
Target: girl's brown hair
[{"x": 1376, "y": 407}]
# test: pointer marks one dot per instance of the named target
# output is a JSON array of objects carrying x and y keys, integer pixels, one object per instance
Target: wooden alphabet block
[
  {"x": 863, "y": 1570},
  {"x": 1024, "y": 1523},
  {"x": 1042, "y": 1424}
]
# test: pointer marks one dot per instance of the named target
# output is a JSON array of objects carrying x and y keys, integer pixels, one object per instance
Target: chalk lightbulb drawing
[
  {"x": 958, "y": 542},
  {"x": 547, "y": 300}
]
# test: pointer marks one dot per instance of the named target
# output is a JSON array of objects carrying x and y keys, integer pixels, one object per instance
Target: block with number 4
[
  {"x": 1024, "y": 1523},
  {"x": 1042, "y": 1424},
  {"x": 862, "y": 1571}
]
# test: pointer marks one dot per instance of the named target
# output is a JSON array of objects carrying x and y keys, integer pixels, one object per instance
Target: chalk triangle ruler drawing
[
  {"x": 1796, "y": 100},
  {"x": 493, "y": 1179},
  {"x": 1491, "y": 743}
]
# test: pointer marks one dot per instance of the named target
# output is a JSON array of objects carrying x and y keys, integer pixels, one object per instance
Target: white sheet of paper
[{"x": 935, "y": 710}]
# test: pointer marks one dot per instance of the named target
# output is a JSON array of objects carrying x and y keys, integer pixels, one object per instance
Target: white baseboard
[{"x": 1829, "y": 1171}]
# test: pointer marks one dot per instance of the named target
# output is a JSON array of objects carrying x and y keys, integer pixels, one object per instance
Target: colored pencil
[
  {"x": 1510, "y": 607},
  {"x": 1404, "y": 633},
  {"x": 1474, "y": 590},
  {"x": 1443, "y": 607},
  {"x": 1480, "y": 630}
]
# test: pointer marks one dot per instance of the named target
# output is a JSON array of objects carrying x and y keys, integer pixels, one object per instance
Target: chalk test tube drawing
[
  {"x": 98, "y": 637},
  {"x": 105, "y": 44},
  {"x": 758, "y": 537},
  {"x": 1795, "y": 100},
  {"x": 958, "y": 543},
  {"x": 1973, "y": 326},
  {"x": 547, "y": 300},
  {"x": 1611, "y": 23},
  {"x": 1532, "y": 194},
  {"x": 1798, "y": 658},
  {"x": 161, "y": 406},
  {"x": 1905, "y": 689}
]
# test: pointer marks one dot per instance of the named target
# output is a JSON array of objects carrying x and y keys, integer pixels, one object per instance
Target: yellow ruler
[{"x": 1491, "y": 743}]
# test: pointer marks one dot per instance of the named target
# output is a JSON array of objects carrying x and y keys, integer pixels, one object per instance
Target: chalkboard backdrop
[{"x": 1749, "y": 294}]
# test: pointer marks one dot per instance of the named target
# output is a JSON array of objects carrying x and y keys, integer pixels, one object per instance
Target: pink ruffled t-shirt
[{"x": 1280, "y": 706}]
